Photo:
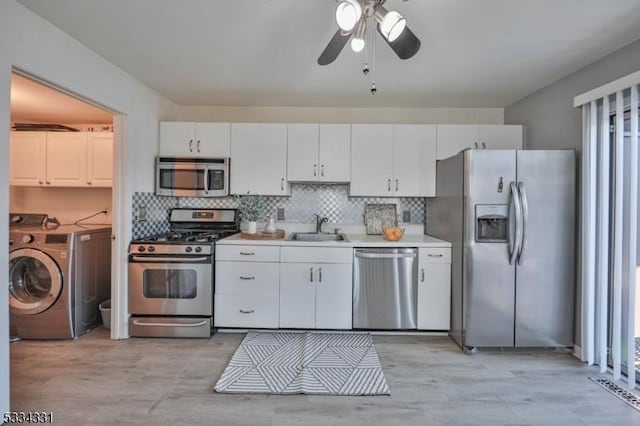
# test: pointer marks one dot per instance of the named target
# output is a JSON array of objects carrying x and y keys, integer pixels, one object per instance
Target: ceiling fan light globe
[
  {"x": 357, "y": 44},
  {"x": 348, "y": 13},
  {"x": 392, "y": 25}
]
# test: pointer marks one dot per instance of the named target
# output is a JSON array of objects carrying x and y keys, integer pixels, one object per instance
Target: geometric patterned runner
[{"x": 316, "y": 363}]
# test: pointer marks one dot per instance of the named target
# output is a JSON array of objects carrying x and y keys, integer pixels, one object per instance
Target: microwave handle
[{"x": 206, "y": 180}]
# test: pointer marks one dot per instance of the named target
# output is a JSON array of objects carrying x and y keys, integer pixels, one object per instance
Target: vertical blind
[{"x": 609, "y": 225}]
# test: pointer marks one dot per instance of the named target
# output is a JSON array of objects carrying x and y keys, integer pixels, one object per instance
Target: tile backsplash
[{"x": 331, "y": 201}]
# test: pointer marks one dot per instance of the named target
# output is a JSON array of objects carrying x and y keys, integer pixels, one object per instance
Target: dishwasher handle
[{"x": 385, "y": 255}]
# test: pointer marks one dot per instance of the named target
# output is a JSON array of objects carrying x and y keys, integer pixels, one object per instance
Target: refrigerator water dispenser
[{"x": 492, "y": 223}]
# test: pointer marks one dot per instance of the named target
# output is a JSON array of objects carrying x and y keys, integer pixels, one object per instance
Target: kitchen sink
[{"x": 316, "y": 237}]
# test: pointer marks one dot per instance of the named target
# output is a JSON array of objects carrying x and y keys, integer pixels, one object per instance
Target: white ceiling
[
  {"x": 32, "y": 102},
  {"x": 475, "y": 53}
]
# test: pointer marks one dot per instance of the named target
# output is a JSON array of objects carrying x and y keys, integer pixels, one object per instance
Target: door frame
[{"x": 119, "y": 311}]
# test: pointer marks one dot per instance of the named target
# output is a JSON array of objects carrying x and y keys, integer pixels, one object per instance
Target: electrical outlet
[
  {"x": 406, "y": 216},
  {"x": 140, "y": 214},
  {"x": 280, "y": 214}
]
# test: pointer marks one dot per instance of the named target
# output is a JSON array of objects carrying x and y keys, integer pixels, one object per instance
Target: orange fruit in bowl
[{"x": 393, "y": 233}]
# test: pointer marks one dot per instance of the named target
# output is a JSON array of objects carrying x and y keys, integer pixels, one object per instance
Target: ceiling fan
[{"x": 352, "y": 17}]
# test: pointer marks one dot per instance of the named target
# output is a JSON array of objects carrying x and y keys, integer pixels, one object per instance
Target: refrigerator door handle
[
  {"x": 515, "y": 242},
  {"x": 525, "y": 216}
]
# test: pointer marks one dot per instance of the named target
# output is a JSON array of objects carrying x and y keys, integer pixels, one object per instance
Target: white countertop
[{"x": 355, "y": 240}]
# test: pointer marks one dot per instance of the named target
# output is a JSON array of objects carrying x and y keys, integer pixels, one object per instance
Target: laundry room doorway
[{"x": 61, "y": 176}]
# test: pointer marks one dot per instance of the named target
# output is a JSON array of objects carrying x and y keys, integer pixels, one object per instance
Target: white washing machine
[{"x": 57, "y": 278}]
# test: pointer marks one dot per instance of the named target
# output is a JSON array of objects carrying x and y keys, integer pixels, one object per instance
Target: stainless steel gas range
[{"x": 171, "y": 276}]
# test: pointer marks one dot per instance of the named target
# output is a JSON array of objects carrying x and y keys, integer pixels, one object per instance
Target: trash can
[{"x": 105, "y": 312}]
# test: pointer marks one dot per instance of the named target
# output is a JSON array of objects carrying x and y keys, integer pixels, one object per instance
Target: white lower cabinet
[
  {"x": 246, "y": 310},
  {"x": 247, "y": 287},
  {"x": 434, "y": 288},
  {"x": 297, "y": 295},
  {"x": 316, "y": 294},
  {"x": 334, "y": 298}
]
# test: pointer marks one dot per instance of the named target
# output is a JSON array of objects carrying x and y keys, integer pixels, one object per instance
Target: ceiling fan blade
[
  {"x": 333, "y": 49},
  {"x": 406, "y": 45}
]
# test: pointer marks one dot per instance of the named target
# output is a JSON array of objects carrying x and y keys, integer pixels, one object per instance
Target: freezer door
[
  {"x": 489, "y": 279},
  {"x": 545, "y": 269}
]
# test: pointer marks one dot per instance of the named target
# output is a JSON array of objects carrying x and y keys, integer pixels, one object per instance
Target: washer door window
[{"x": 35, "y": 281}]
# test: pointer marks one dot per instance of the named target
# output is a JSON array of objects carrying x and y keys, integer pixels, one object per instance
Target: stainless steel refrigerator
[{"x": 510, "y": 216}]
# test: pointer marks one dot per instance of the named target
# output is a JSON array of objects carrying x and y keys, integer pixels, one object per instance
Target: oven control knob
[
  {"x": 188, "y": 249},
  {"x": 27, "y": 239},
  {"x": 151, "y": 249},
  {"x": 140, "y": 248},
  {"x": 198, "y": 249}
]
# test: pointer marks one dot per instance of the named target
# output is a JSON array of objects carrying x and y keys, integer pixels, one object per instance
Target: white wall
[
  {"x": 66, "y": 204},
  {"x": 342, "y": 115},
  {"x": 33, "y": 45},
  {"x": 553, "y": 123}
]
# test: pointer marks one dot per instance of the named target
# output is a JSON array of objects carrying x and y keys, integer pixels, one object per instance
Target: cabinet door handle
[
  {"x": 246, "y": 311},
  {"x": 319, "y": 275},
  {"x": 475, "y": 145},
  {"x": 282, "y": 184},
  {"x": 48, "y": 183},
  {"x": 247, "y": 278},
  {"x": 484, "y": 145},
  {"x": 311, "y": 274},
  {"x": 315, "y": 170},
  {"x": 198, "y": 146},
  {"x": 190, "y": 145},
  {"x": 40, "y": 182},
  {"x": 322, "y": 170},
  {"x": 435, "y": 255},
  {"x": 88, "y": 183},
  {"x": 246, "y": 253},
  {"x": 388, "y": 184},
  {"x": 422, "y": 275},
  {"x": 397, "y": 185}
]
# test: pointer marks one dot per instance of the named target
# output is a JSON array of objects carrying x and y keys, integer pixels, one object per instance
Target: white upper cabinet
[
  {"x": 371, "y": 159},
  {"x": 335, "y": 153},
  {"x": 414, "y": 161},
  {"x": 28, "y": 154},
  {"x": 319, "y": 153},
  {"x": 302, "y": 152},
  {"x": 189, "y": 139},
  {"x": 100, "y": 159},
  {"x": 259, "y": 159},
  {"x": 393, "y": 160},
  {"x": 66, "y": 159},
  {"x": 453, "y": 138},
  {"x": 509, "y": 136}
]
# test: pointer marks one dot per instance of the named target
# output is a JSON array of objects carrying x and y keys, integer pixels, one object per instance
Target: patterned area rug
[{"x": 306, "y": 362}]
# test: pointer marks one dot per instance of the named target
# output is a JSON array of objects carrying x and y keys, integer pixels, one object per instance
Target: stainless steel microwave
[{"x": 192, "y": 177}]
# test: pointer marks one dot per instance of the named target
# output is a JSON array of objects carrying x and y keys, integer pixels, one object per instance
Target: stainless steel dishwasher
[{"x": 385, "y": 288}]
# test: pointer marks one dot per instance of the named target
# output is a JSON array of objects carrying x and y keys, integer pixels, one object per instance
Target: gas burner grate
[{"x": 629, "y": 397}]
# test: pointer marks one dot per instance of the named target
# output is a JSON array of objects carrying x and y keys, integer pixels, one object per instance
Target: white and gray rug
[{"x": 317, "y": 363}]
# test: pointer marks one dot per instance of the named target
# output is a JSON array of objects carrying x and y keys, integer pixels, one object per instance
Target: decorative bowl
[{"x": 393, "y": 233}]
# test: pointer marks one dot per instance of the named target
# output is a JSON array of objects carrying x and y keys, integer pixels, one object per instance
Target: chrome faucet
[{"x": 319, "y": 221}]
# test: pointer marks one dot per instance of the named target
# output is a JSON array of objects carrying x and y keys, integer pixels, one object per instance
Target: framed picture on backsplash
[{"x": 379, "y": 216}]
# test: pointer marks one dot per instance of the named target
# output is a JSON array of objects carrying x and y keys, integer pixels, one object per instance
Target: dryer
[{"x": 57, "y": 278}]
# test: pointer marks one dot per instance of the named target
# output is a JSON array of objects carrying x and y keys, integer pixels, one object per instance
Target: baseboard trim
[
  {"x": 374, "y": 333},
  {"x": 577, "y": 352}
]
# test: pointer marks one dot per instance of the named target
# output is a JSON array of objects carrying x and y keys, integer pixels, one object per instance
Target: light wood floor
[{"x": 96, "y": 381}]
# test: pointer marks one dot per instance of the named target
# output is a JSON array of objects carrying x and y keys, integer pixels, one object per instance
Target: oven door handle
[
  {"x": 168, "y": 324},
  {"x": 157, "y": 259}
]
